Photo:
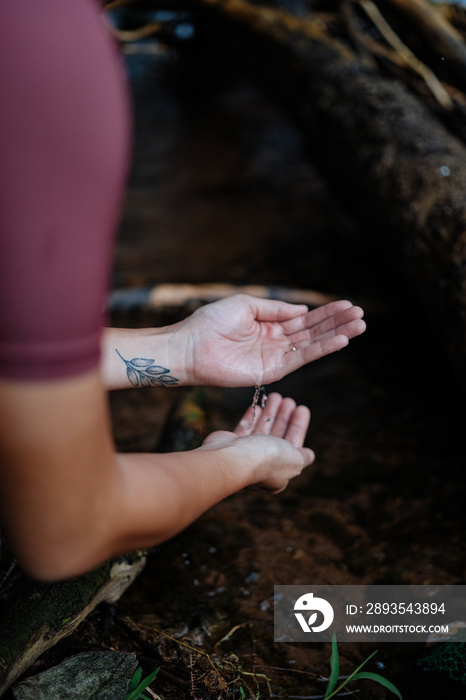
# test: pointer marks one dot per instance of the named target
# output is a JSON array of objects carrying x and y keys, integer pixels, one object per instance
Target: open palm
[{"x": 247, "y": 341}]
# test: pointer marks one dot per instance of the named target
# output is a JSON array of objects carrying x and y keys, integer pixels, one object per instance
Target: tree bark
[
  {"x": 393, "y": 161},
  {"x": 39, "y": 615},
  {"x": 443, "y": 39}
]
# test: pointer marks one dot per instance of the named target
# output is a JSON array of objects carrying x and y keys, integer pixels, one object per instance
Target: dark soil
[{"x": 222, "y": 189}]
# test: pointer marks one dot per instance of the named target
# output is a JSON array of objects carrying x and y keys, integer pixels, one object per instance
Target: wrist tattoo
[{"x": 143, "y": 372}]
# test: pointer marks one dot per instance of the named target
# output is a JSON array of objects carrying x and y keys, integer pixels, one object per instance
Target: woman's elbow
[{"x": 59, "y": 559}]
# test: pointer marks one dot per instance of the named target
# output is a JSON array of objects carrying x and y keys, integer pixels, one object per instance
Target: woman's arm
[
  {"x": 68, "y": 502},
  {"x": 238, "y": 341}
]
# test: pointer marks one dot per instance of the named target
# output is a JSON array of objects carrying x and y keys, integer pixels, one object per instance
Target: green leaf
[
  {"x": 350, "y": 678},
  {"x": 137, "y": 692},
  {"x": 378, "y": 679},
  {"x": 135, "y": 679},
  {"x": 334, "y": 667}
]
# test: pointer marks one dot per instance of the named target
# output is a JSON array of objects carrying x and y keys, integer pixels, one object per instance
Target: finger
[
  {"x": 315, "y": 316},
  {"x": 304, "y": 351},
  {"x": 294, "y": 359},
  {"x": 335, "y": 325},
  {"x": 248, "y": 421},
  {"x": 308, "y": 455},
  {"x": 297, "y": 426},
  {"x": 270, "y": 310},
  {"x": 282, "y": 419},
  {"x": 267, "y": 418},
  {"x": 348, "y": 322},
  {"x": 348, "y": 319},
  {"x": 350, "y": 327},
  {"x": 217, "y": 437}
]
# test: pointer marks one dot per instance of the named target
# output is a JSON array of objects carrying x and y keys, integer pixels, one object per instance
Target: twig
[
  {"x": 191, "y": 677},
  {"x": 358, "y": 40},
  {"x": 204, "y": 653},
  {"x": 126, "y": 35},
  {"x": 435, "y": 23},
  {"x": 229, "y": 634},
  {"x": 177, "y": 641},
  {"x": 165, "y": 296},
  {"x": 407, "y": 55},
  {"x": 115, "y": 4},
  {"x": 291, "y": 670}
]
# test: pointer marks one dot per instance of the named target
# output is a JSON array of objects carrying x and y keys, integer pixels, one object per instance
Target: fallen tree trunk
[
  {"x": 40, "y": 614},
  {"x": 173, "y": 296},
  {"x": 391, "y": 159}
]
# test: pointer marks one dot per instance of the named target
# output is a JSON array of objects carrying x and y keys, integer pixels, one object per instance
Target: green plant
[
  {"x": 137, "y": 687},
  {"x": 332, "y": 690},
  {"x": 243, "y": 694}
]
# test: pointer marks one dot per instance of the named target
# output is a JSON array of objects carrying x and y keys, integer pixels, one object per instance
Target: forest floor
[{"x": 222, "y": 190}]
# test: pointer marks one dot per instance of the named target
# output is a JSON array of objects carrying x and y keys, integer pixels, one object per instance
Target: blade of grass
[
  {"x": 378, "y": 679},
  {"x": 334, "y": 667},
  {"x": 342, "y": 685},
  {"x": 142, "y": 685},
  {"x": 135, "y": 679}
]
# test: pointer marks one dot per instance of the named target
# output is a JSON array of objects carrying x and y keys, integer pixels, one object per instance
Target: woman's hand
[
  {"x": 238, "y": 341},
  {"x": 271, "y": 440},
  {"x": 247, "y": 341}
]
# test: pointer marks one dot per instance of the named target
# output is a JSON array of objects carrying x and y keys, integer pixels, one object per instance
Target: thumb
[
  {"x": 308, "y": 455},
  {"x": 270, "y": 310},
  {"x": 218, "y": 437}
]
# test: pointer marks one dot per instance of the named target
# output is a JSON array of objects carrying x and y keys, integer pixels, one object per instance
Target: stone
[{"x": 91, "y": 675}]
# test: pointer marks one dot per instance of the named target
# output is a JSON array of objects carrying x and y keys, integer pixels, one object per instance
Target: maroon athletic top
[{"x": 64, "y": 134}]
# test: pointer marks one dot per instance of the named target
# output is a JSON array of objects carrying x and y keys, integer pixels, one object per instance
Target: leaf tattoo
[{"x": 143, "y": 372}]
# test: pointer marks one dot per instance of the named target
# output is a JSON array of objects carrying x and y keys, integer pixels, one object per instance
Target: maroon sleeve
[{"x": 64, "y": 133}]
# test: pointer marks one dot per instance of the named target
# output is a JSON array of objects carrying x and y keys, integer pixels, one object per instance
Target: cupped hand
[
  {"x": 247, "y": 341},
  {"x": 269, "y": 441}
]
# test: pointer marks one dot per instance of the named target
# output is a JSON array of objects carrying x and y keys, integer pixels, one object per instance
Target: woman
[{"x": 67, "y": 500}]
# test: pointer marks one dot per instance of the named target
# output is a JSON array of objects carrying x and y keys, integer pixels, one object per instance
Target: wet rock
[{"x": 100, "y": 675}]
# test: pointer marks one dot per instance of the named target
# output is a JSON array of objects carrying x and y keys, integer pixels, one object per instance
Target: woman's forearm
[
  {"x": 161, "y": 494},
  {"x": 68, "y": 502}
]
